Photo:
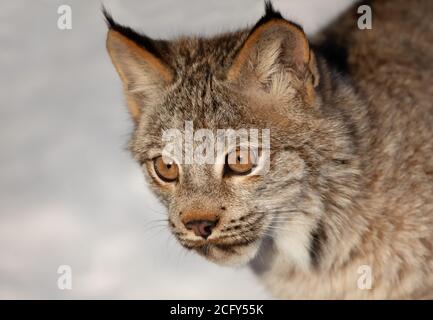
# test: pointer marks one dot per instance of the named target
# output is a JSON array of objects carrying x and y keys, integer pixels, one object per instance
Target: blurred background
[{"x": 69, "y": 192}]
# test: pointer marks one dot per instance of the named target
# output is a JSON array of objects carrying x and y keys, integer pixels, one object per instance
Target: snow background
[{"x": 69, "y": 192}]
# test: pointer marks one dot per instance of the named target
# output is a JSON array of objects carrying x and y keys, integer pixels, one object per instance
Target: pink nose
[
  {"x": 201, "y": 228},
  {"x": 201, "y": 222}
]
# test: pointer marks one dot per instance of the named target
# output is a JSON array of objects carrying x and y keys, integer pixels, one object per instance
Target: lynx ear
[
  {"x": 141, "y": 69},
  {"x": 274, "y": 47}
]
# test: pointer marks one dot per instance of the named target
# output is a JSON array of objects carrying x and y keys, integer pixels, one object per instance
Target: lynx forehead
[{"x": 348, "y": 174}]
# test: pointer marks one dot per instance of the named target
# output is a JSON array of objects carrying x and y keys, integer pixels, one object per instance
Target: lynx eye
[
  {"x": 240, "y": 162},
  {"x": 167, "y": 172}
]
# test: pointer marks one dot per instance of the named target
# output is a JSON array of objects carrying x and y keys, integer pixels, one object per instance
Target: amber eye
[
  {"x": 166, "y": 171},
  {"x": 239, "y": 162}
]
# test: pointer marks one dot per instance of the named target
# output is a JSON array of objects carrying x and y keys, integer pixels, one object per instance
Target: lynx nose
[
  {"x": 201, "y": 222},
  {"x": 201, "y": 228}
]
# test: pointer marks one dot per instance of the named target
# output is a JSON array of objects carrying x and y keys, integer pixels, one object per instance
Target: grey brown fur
[{"x": 351, "y": 173}]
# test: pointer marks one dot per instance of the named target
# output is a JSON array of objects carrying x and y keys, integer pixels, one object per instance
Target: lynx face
[
  {"x": 212, "y": 208},
  {"x": 263, "y": 78},
  {"x": 221, "y": 210}
]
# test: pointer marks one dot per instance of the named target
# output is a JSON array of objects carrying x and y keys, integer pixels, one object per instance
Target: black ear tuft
[
  {"x": 272, "y": 14},
  {"x": 108, "y": 18},
  {"x": 153, "y": 46}
]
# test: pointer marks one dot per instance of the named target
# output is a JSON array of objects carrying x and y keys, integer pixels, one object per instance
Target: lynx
[{"x": 350, "y": 177}]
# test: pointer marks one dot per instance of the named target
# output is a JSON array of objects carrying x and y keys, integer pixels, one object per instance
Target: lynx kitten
[{"x": 350, "y": 176}]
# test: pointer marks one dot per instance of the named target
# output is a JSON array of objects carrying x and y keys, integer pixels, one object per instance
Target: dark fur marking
[
  {"x": 335, "y": 55},
  {"x": 318, "y": 238}
]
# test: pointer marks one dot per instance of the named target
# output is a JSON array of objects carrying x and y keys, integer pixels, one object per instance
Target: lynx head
[{"x": 264, "y": 77}]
